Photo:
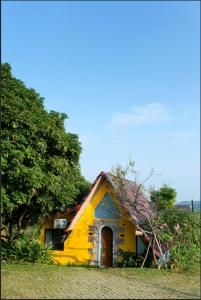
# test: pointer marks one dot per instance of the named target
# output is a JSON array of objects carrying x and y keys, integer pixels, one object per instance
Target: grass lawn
[{"x": 27, "y": 281}]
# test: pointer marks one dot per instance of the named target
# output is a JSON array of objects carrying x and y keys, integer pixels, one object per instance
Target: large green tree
[
  {"x": 163, "y": 198},
  {"x": 40, "y": 160}
]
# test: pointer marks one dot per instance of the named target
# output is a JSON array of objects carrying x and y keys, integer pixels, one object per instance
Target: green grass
[{"x": 35, "y": 281}]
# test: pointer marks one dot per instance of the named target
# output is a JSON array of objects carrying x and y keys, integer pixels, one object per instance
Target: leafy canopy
[
  {"x": 40, "y": 160},
  {"x": 163, "y": 198}
]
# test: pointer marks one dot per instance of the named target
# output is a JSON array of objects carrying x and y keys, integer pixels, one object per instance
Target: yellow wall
[{"x": 77, "y": 244}]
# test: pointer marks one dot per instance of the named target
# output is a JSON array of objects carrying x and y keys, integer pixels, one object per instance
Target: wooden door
[{"x": 106, "y": 247}]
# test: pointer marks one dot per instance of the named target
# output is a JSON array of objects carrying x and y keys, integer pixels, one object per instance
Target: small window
[
  {"x": 48, "y": 237},
  {"x": 140, "y": 246},
  {"x": 55, "y": 238}
]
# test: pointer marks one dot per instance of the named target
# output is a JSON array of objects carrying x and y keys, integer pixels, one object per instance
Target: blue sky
[{"x": 126, "y": 73}]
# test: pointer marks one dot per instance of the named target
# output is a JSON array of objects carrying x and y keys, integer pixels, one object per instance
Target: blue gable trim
[{"x": 106, "y": 209}]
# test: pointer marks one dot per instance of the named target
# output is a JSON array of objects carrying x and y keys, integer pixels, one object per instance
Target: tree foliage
[
  {"x": 40, "y": 160},
  {"x": 179, "y": 231},
  {"x": 163, "y": 198}
]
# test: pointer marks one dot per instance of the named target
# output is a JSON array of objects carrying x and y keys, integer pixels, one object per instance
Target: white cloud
[{"x": 151, "y": 113}]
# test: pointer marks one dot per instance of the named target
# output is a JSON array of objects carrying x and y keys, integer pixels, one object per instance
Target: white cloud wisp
[{"x": 151, "y": 113}]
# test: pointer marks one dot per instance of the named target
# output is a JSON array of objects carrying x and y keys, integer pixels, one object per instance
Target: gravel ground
[{"x": 60, "y": 282}]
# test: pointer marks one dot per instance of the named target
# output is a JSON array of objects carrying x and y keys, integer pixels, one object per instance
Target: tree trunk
[
  {"x": 159, "y": 248},
  {"x": 153, "y": 251},
  {"x": 10, "y": 230},
  {"x": 21, "y": 217}
]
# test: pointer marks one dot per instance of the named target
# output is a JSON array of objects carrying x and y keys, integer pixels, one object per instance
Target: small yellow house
[{"x": 96, "y": 232}]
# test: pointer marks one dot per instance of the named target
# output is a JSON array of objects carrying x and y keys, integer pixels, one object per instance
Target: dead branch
[{"x": 145, "y": 258}]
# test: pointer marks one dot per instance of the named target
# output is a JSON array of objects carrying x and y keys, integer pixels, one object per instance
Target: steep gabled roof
[
  {"x": 94, "y": 187},
  {"x": 137, "y": 212},
  {"x": 136, "y": 205},
  {"x": 133, "y": 200}
]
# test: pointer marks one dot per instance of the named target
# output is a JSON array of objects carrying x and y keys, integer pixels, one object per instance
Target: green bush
[
  {"x": 182, "y": 258},
  {"x": 180, "y": 233},
  {"x": 26, "y": 248},
  {"x": 131, "y": 260}
]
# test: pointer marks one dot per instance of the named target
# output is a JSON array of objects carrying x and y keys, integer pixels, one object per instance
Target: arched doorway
[{"x": 106, "y": 257}]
